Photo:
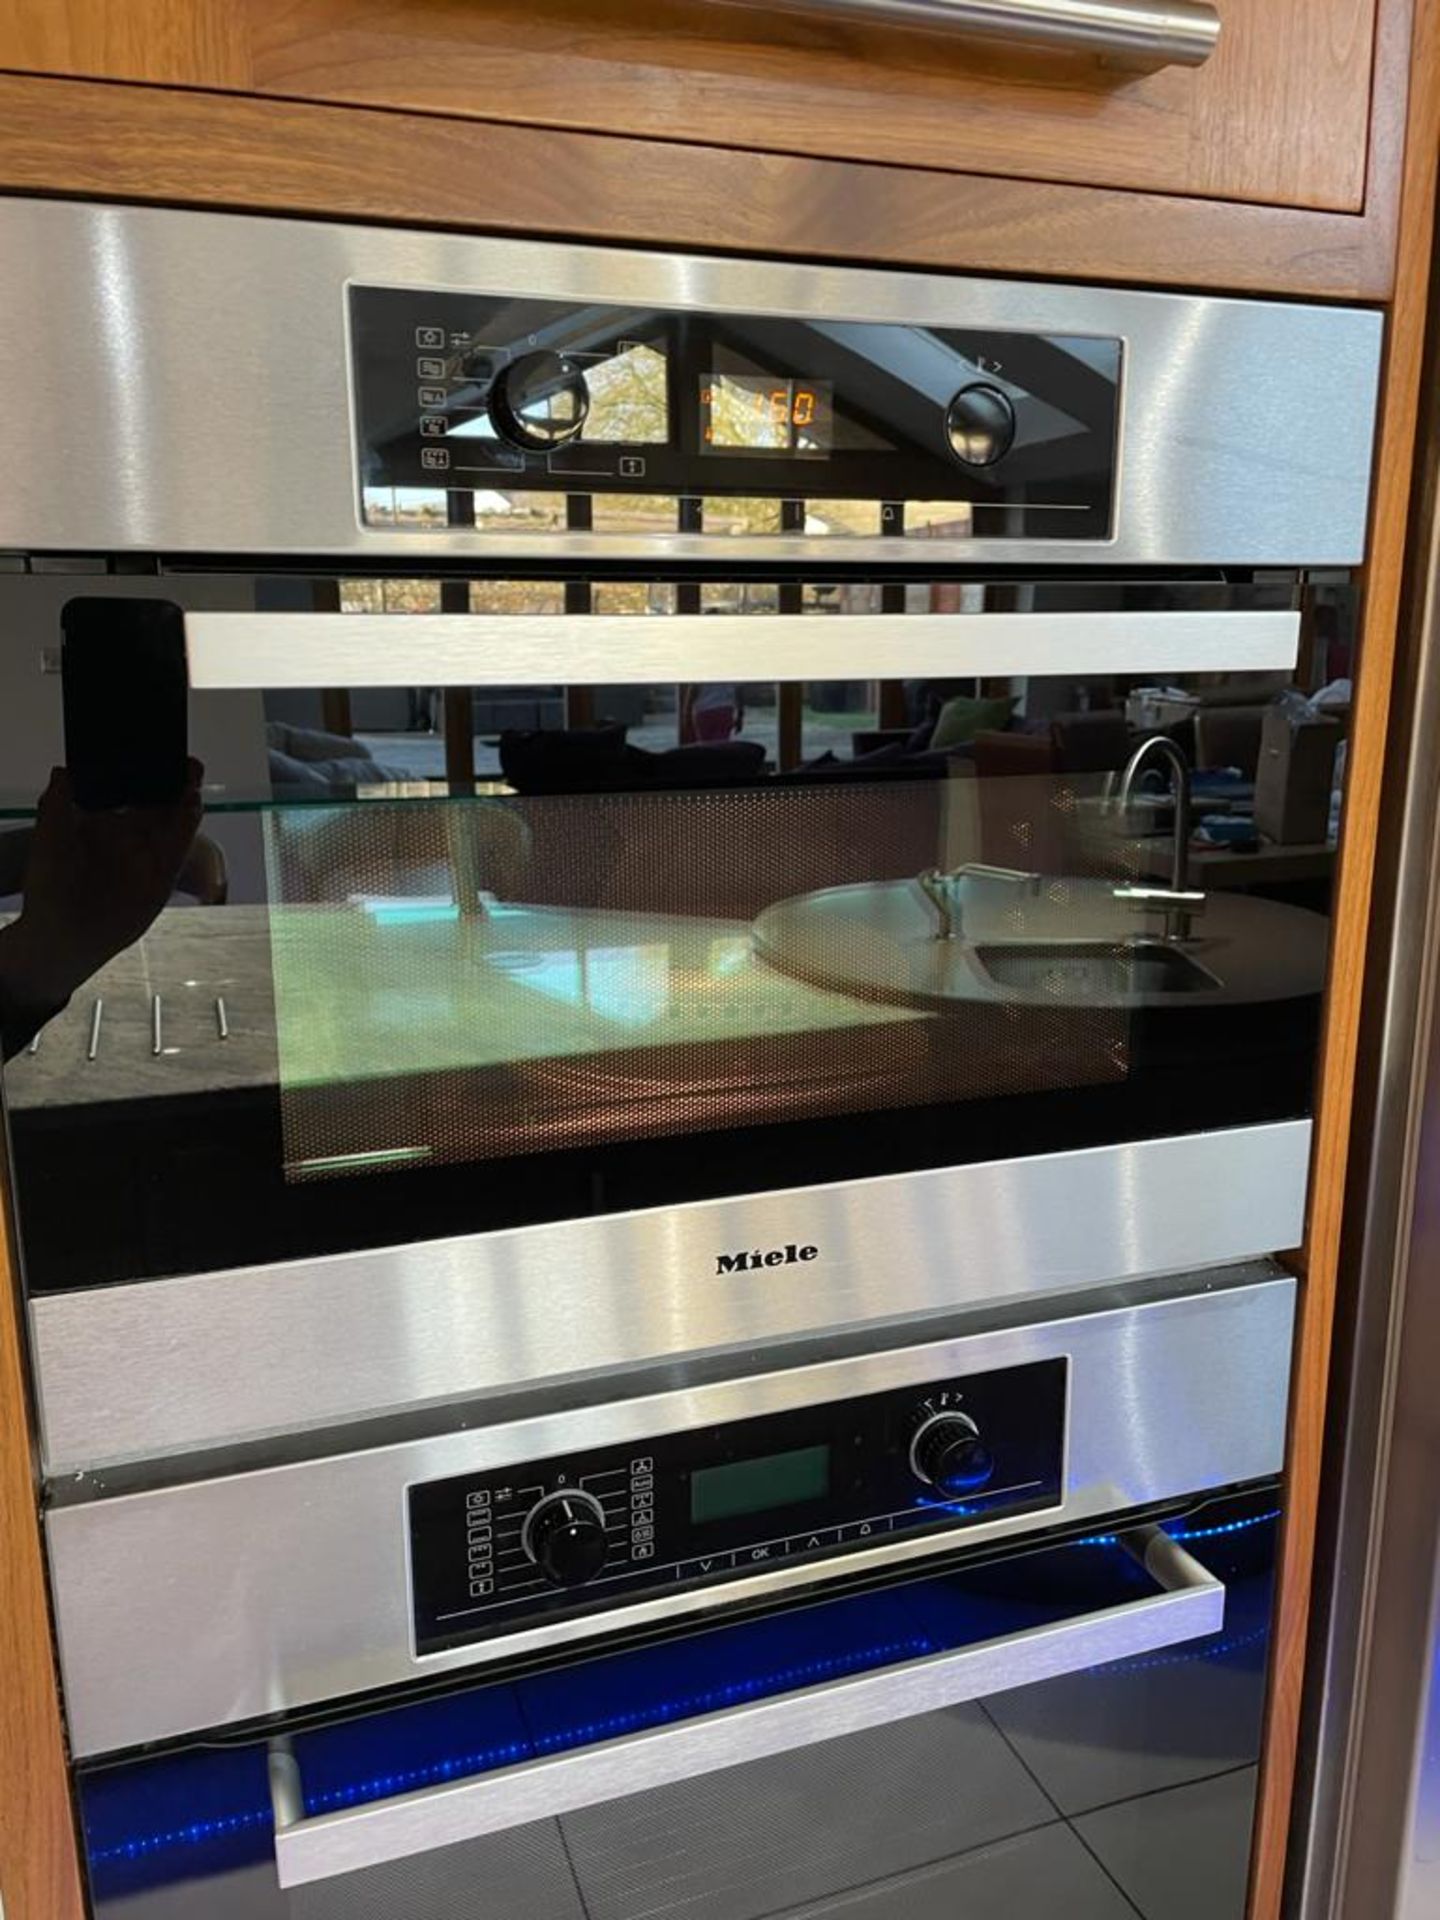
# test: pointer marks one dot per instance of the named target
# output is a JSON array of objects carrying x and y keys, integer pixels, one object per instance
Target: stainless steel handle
[
  {"x": 1175, "y": 33},
  {"x": 1191, "y": 1605},
  {"x": 287, "y": 650}
]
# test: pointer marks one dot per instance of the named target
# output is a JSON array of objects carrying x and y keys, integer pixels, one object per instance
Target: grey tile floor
[{"x": 934, "y": 1818}]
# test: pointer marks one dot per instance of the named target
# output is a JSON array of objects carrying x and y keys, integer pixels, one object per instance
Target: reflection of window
[
  {"x": 632, "y": 596},
  {"x": 628, "y": 401},
  {"x": 517, "y": 596},
  {"x": 738, "y": 514},
  {"x": 519, "y": 512},
  {"x": 842, "y": 516},
  {"x": 940, "y": 519},
  {"x": 849, "y": 596},
  {"x": 834, "y": 712},
  {"x": 740, "y": 596},
  {"x": 633, "y": 513},
  {"x": 389, "y": 596}
]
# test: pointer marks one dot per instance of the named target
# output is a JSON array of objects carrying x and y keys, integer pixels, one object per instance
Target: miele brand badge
[{"x": 787, "y": 1256}]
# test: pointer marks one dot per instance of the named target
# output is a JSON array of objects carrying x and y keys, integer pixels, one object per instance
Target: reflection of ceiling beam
[{"x": 926, "y": 369}]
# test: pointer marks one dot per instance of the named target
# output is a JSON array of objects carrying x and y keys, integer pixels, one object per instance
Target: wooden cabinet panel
[
  {"x": 1277, "y": 116},
  {"x": 170, "y": 42}
]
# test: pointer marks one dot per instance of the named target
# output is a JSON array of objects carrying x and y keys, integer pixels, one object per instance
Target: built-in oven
[
  {"x": 675, "y": 872},
  {"x": 974, "y": 1624},
  {"x": 647, "y": 1201}
]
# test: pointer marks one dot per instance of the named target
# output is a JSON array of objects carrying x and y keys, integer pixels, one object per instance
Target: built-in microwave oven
[{"x": 681, "y": 866}]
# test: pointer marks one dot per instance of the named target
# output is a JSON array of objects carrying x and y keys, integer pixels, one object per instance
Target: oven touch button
[
  {"x": 947, "y": 1453},
  {"x": 564, "y": 1534}
]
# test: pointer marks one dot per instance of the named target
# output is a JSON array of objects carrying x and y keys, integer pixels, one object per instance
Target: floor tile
[
  {"x": 1046, "y": 1875},
  {"x": 1181, "y": 1855},
  {"x": 1138, "y": 1726},
  {"x": 772, "y": 1834}
]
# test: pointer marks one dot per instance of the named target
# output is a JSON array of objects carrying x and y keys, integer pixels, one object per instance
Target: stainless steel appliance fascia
[
  {"x": 134, "y": 1371},
  {"x": 280, "y": 650},
  {"x": 217, "y": 1601},
  {"x": 1189, "y": 1606},
  {"x": 1367, "y": 1829},
  {"x": 1245, "y": 433}
]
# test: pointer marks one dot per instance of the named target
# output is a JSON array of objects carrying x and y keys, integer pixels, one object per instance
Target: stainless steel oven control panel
[
  {"x": 552, "y": 1538},
  {"x": 518, "y": 415}
]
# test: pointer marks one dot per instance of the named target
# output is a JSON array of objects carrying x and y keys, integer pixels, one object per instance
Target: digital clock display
[
  {"x": 756, "y": 413},
  {"x": 755, "y": 1486}
]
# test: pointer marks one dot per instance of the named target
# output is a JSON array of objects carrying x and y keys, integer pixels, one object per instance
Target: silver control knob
[
  {"x": 539, "y": 401},
  {"x": 980, "y": 425}
]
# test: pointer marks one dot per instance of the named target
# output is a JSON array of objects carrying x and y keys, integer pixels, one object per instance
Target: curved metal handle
[
  {"x": 1190, "y": 1606},
  {"x": 1165, "y": 33}
]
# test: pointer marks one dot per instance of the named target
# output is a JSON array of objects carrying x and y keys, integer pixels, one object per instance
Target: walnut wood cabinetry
[{"x": 1278, "y": 115}]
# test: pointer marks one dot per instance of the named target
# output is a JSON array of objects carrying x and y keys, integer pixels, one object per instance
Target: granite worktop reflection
[{"x": 316, "y": 996}]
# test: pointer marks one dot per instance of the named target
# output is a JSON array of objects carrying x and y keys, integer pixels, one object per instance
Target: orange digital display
[{"x": 750, "y": 413}]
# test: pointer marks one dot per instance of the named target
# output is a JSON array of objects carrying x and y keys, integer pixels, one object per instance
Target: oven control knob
[
  {"x": 539, "y": 401},
  {"x": 980, "y": 425},
  {"x": 948, "y": 1454},
  {"x": 564, "y": 1534}
]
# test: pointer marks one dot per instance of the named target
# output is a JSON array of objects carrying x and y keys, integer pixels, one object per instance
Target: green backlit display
[{"x": 755, "y": 1486}]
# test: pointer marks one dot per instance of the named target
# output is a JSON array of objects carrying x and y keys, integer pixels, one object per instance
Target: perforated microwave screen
[{"x": 473, "y": 980}]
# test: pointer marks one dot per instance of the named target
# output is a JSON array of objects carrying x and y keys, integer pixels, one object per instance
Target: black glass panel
[
  {"x": 652, "y": 945},
  {"x": 504, "y": 402}
]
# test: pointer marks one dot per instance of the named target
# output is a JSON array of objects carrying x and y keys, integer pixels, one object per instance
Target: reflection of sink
[{"x": 1096, "y": 970}]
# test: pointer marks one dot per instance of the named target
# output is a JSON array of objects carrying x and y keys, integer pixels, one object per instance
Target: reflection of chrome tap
[
  {"x": 941, "y": 890},
  {"x": 1179, "y": 901}
]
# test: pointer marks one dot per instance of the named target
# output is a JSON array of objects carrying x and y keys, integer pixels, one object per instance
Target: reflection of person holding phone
[{"x": 94, "y": 883}]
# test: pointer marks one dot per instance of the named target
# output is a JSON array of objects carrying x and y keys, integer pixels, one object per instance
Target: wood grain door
[{"x": 1277, "y": 116}]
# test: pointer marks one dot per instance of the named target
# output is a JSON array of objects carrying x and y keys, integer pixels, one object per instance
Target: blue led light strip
[
  {"x": 385, "y": 1786},
  {"x": 1200, "y": 1650},
  {"x": 1188, "y": 1533},
  {"x": 194, "y": 1835}
]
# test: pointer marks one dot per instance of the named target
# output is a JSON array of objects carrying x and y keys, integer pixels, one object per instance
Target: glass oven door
[{"x": 522, "y": 1008}]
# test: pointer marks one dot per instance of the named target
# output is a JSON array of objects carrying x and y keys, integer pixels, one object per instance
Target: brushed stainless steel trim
[
  {"x": 280, "y": 650},
  {"x": 1190, "y": 1604},
  {"x": 221, "y": 1600},
  {"x": 206, "y": 1360},
  {"x": 1366, "y": 1839},
  {"x": 1177, "y": 33},
  {"x": 1226, "y": 455}
]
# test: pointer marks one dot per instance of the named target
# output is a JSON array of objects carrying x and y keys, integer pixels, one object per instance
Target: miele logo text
[{"x": 775, "y": 1257}]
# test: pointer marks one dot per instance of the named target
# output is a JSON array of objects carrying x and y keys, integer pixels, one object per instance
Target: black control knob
[
  {"x": 948, "y": 1454},
  {"x": 564, "y": 1534},
  {"x": 980, "y": 425},
  {"x": 539, "y": 401}
]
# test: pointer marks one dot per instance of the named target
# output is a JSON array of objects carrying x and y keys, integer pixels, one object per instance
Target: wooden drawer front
[{"x": 1278, "y": 115}]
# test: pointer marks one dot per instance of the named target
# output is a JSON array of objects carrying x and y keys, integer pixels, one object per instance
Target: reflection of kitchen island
[
  {"x": 542, "y": 1063},
  {"x": 318, "y": 997}
]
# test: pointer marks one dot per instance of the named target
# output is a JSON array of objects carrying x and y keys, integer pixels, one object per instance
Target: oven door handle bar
[
  {"x": 275, "y": 651},
  {"x": 1190, "y": 1605},
  {"x": 1140, "y": 33}
]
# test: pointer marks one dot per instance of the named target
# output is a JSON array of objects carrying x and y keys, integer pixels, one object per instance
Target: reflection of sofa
[{"x": 306, "y": 757}]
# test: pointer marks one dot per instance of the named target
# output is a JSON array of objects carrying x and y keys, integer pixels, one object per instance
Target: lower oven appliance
[
  {"x": 676, "y": 1209},
  {"x": 976, "y": 1624}
]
